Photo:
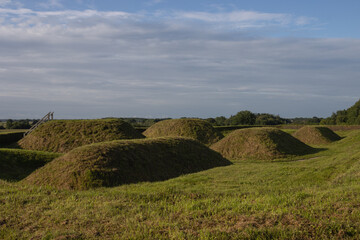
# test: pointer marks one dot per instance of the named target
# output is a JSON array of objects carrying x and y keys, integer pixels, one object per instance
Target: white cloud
[
  {"x": 238, "y": 16},
  {"x": 51, "y": 4},
  {"x": 97, "y": 64},
  {"x": 247, "y": 19},
  {"x": 4, "y": 2},
  {"x": 154, "y": 2}
]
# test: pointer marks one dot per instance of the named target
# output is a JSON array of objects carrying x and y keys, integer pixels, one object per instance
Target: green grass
[
  {"x": 317, "y": 197},
  {"x": 197, "y": 129},
  {"x": 65, "y": 135},
  {"x": 6, "y": 131},
  {"x": 260, "y": 143},
  {"x": 16, "y": 164},
  {"x": 316, "y": 135},
  {"x": 126, "y": 161}
]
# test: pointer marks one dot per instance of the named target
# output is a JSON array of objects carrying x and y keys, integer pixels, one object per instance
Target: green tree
[
  {"x": 243, "y": 118},
  {"x": 269, "y": 119},
  {"x": 9, "y": 124},
  {"x": 220, "y": 121}
]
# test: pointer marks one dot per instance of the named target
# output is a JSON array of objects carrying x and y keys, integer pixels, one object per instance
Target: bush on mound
[
  {"x": 126, "y": 161},
  {"x": 64, "y": 135},
  {"x": 260, "y": 143},
  {"x": 192, "y": 128},
  {"x": 316, "y": 135}
]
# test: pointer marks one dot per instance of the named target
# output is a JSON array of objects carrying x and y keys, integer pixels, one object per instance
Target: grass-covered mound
[
  {"x": 193, "y": 128},
  {"x": 16, "y": 164},
  {"x": 65, "y": 135},
  {"x": 126, "y": 161},
  {"x": 260, "y": 143},
  {"x": 316, "y": 135}
]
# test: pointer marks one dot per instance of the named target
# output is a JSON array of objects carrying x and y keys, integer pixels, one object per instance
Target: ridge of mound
[
  {"x": 260, "y": 143},
  {"x": 316, "y": 135},
  {"x": 126, "y": 161},
  {"x": 64, "y": 135},
  {"x": 197, "y": 129}
]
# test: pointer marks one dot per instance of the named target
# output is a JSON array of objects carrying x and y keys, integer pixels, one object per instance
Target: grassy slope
[
  {"x": 15, "y": 164},
  {"x": 6, "y": 131},
  {"x": 316, "y": 135},
  {"x": 64, "y": 135},
  {"x": 121, "y": 162},
  {"x": 193, "y": 128},
  {"x": 260, "y": 143},
  {"x": 313, "y": 198}
]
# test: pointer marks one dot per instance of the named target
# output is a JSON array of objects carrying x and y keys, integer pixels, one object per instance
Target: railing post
[{"x": 49, "y": 116}]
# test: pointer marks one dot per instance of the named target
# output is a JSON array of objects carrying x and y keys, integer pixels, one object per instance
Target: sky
[{"x": 171, "y": 58}]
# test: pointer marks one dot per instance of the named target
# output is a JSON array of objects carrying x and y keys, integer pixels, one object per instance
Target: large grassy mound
[
  {"x": 193, "y": 128},
  {"x": 16, "y": 164},
  {"x": 260, "y": 143},
  {"x": 126, "y": 161},
  {"x": 65, "y": 135},
  {"x": 316, "y": 135}
]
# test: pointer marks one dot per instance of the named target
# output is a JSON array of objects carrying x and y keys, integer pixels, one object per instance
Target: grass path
[{"x": 314, "y": 199}]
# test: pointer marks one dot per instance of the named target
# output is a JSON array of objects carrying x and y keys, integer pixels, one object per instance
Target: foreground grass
[{"x": 314, "y": 197}]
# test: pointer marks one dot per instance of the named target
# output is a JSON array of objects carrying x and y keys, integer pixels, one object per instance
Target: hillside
[
  {"x": 197, "y": 129},
  {"x": 126, "y": 161},
  {"x": 64, "y": 135},
  {"x": 260, "y": 143},
  {"x": 315, "y": 197},
  {"x": 316, "y": 135}
]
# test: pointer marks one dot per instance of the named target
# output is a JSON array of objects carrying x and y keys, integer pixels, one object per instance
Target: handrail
[{"x": 49, "y": 116}]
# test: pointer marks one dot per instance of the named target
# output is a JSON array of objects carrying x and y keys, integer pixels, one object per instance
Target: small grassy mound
[
  {"x": 192, "y": 128},
  {"x": 126, "y": 161},
  {"x": 260, "y": 143},
  {"x": 65, "y": 135},
  {"x": 316, "y": 135},
  {"x": 16, "y": 164}
]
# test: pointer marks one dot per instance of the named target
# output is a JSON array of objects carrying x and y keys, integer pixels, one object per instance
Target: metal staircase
[{"x": 47, "y": 117}]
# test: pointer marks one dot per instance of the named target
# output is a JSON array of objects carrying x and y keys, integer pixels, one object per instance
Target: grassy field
[
  {"x": 310, "y": 197},
  {"x": 6, "y": 131}
]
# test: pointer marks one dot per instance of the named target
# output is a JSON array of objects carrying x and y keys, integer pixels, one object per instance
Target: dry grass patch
[
  {"x": 260, "y": 143},
  {"x": 316, "y": 135},
  {"x": 65, "y": 135},
  {"x": 193, "y": 128},
  {"x": 126, "y": 161}
]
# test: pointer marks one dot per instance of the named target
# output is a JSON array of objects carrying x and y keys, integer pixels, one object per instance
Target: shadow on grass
[
  {"x": 14, "y": 145},
  {"x": 311, "y": 155},
  {"x": 17, "y": 164}
]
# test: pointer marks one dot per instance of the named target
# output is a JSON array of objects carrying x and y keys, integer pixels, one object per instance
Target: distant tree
[
  {"x": 314, "y": 121},
  {"x": 211, "y": 121},
  {"x": 341, "y": 117},
  {"x": 9, "y": 124},
  {"x": 329, "y": 121},
  {"x": 348, "y": 116},
  {"x": 20, "y": 124},
  {"x": 34, "y": 121},
  {"x": 353, "y": 114},
  {"x": 220, "y": 121},
  {"x": 242, "y": 118},
  {"x": 2, "y": 127},
  {"x": 269, "y": 119}
]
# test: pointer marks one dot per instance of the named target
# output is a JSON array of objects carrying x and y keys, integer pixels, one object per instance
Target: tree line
[
  {"x": 350, "y": 116},
  {"x": 18, "y": 124}
]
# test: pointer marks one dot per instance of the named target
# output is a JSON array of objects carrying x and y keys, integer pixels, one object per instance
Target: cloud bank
[{"x": 87, "y": 64}]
